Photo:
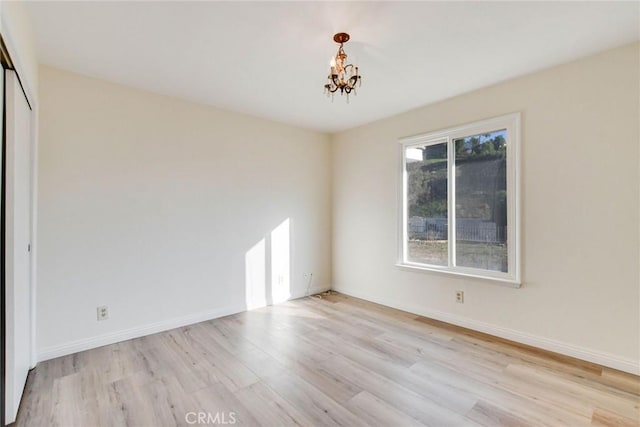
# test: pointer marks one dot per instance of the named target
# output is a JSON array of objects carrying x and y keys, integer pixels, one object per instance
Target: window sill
[{"x": 496, "y": 280}]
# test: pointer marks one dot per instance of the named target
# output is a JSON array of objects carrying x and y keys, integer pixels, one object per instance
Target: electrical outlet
[
  {"x": 460, "y": 296},
  {"x": 103, "y": 312}
]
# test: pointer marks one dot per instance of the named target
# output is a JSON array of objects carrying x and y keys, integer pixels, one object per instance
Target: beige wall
[
  {"x": 580, "y": 197},
  {"x": 150, "y": 205}
]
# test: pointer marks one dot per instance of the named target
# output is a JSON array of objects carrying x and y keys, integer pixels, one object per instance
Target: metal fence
[{"x": 469, "y": 230}]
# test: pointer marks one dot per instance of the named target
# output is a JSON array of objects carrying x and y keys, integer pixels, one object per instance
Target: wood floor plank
[
  {"x": 489, "y": 415},
  {"x": 190, "y": 370},
  {"x": 270, "y": 408},
  {"x": 68, "y": 402},
  {"x": 220, "y": 404},
  {"x": 125, "y": 405},
  {"x": 170, "y": 402},
  {"x": 602, "y": 417},
  {"x": 320, "y": 408},
  {"x": 375, "y": 411},
  {"x": 620, "y": 381},
  {"x": 214, "y": 358}
]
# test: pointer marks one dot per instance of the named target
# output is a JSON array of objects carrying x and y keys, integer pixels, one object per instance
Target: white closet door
[{"x": 18, "y": 240}]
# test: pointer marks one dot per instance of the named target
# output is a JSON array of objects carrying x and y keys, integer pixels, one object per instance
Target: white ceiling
[{"x": 270, "y": 59}]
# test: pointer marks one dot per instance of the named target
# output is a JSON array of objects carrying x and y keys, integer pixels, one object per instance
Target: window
[{"x": 459, "y": 209}]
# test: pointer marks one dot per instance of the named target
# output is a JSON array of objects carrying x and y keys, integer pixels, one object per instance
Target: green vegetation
[
  {"x": 481, "y": 147},
  {"x": 480, "y": 176}
]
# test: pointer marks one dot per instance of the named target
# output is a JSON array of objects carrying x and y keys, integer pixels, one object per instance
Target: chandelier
[{"x": 343, "y": 76}]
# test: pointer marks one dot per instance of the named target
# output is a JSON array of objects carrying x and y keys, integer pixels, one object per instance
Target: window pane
[
  {"x": 427, "y": 204},
  {"x": 481, "y": 201}
]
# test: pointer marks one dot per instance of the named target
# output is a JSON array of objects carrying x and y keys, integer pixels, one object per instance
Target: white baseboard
[
  {"x": 139, "y": 331},
  {"x": 594, "y": 356}
]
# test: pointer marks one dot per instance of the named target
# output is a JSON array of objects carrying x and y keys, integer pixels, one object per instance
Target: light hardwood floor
[{"x": 331, "y": 361}]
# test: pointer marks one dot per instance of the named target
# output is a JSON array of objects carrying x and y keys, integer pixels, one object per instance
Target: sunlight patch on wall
[
  {"x": 268, "y": 268},
  {"x": 280, "y": 263},
  {"x": 255, "y": 276}
]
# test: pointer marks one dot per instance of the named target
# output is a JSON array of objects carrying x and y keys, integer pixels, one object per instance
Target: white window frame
[{"x": 510, "y": 122}]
